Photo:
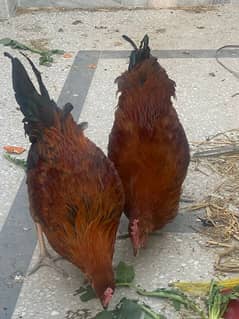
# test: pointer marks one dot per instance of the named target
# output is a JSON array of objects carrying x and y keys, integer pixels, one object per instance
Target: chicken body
[
  {"x": 149, "y": 148},
  {"x": 76, "y": 196},
  {"x": 74, "y": 191}
]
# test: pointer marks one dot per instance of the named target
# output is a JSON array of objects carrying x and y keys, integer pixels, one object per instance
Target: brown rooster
[
  {"x": 148, "y": 145},
  {"x": 76, "y": 197}
]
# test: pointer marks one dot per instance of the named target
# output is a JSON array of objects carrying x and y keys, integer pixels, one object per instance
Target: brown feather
[
  {"x": 76, "y": 195},
  {"x": 149, "y": 148},
  {"x": 74, "y": 190}
]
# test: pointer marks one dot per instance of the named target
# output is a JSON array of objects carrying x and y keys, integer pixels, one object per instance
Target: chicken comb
[{"x": 139, "y": 54}]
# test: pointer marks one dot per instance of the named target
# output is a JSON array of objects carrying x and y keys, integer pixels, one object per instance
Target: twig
[
  {"x": 196, "y": 206},
  {"x": 186, "y": 199},
  {"x": 235, "y": 236},
  {"x": 227, "y": 267},
  {"x": 236, "y": 74},
  {"x": 200, "y": 170},
  {"x": 214, "y": 152},
  {"x": 197, "y": 230},
  {"x": 215, "y": 243}
]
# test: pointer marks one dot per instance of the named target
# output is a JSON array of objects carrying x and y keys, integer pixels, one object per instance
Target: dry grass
[{"x": 219, "y": 154}]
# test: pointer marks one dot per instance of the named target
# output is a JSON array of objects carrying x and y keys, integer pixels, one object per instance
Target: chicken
[
  {"x": 75, "y": 194},
  {"x": 148, "y": 145}
]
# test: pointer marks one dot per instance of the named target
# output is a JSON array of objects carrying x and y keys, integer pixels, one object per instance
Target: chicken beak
[
  {"x": 104, "y": 306},
  {"x": 108, "y": 294}
]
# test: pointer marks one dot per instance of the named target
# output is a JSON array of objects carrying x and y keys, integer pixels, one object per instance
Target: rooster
[
  {"x": 148, "y": 145},
  {"x": 76, "y": 197}
]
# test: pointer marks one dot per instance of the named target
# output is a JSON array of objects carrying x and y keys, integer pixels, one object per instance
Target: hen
[
  {"x": 76, "y": 197},
  {"x": 148, "y": 145}
]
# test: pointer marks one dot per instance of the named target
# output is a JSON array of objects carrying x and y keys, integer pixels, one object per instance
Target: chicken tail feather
[
  {"x": 38, "y": 109},
  {"x": 139, "y": 54}
]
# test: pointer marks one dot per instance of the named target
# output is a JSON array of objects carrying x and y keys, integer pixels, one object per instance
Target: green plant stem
[
  {"x": 150, "y": 312},
  {"x": 34, "y": 50},
  {"x": 173, "y": 297},
  {"x": 125, "y": 284}
]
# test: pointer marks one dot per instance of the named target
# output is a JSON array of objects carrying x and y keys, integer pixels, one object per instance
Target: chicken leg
[{"x": 45, "y": 258}]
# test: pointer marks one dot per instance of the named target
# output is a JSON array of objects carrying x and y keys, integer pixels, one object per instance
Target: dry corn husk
[{"x": 202, "y": 288}]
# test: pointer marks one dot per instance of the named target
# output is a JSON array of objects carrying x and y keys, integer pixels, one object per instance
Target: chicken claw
[{"x": 45, "y": 258}]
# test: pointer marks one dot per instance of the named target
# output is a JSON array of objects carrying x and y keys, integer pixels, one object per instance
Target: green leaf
[
  {"x": 45, "y": 56},
  {"x": 156, "y": 316},
  {"x": 217, "y": 301},
  {"x": 5, "y": 41},
  {"x": 236, "y": 289},
  {"x": 13, "y": 44},
  {"x": 105, "y": 315},
  {"x": 124, "y": 273},
  {"x": 19, "y": 162},
  {"x": 45, "y": 59},
  {"x": 177, "y": 305},
  {"x": 56, "y": 51},
  {"x": 86, "y": 293},
  {"x": 129, "y": 309}
]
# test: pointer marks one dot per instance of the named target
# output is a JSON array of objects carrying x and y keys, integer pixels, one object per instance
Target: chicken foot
[{"x": 45, "y": 258}]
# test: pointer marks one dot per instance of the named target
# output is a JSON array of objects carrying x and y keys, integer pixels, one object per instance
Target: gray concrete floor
[{"x": 204, "y": 103}]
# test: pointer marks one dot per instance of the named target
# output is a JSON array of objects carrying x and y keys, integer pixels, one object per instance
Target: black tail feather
[
  {"x": 130, "y": 41},
  {"x": 140, "y": 54},
  {"x": 144, "y": 44},
  {"x": 36, "y": 108},
  {"x": 42, "y": 87},
  {"x": 23, "y": 88},
  {"x": 66, "y": 110}
]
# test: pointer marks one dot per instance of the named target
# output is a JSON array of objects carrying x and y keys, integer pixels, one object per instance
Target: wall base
[{"x": 7, "y": 8}]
